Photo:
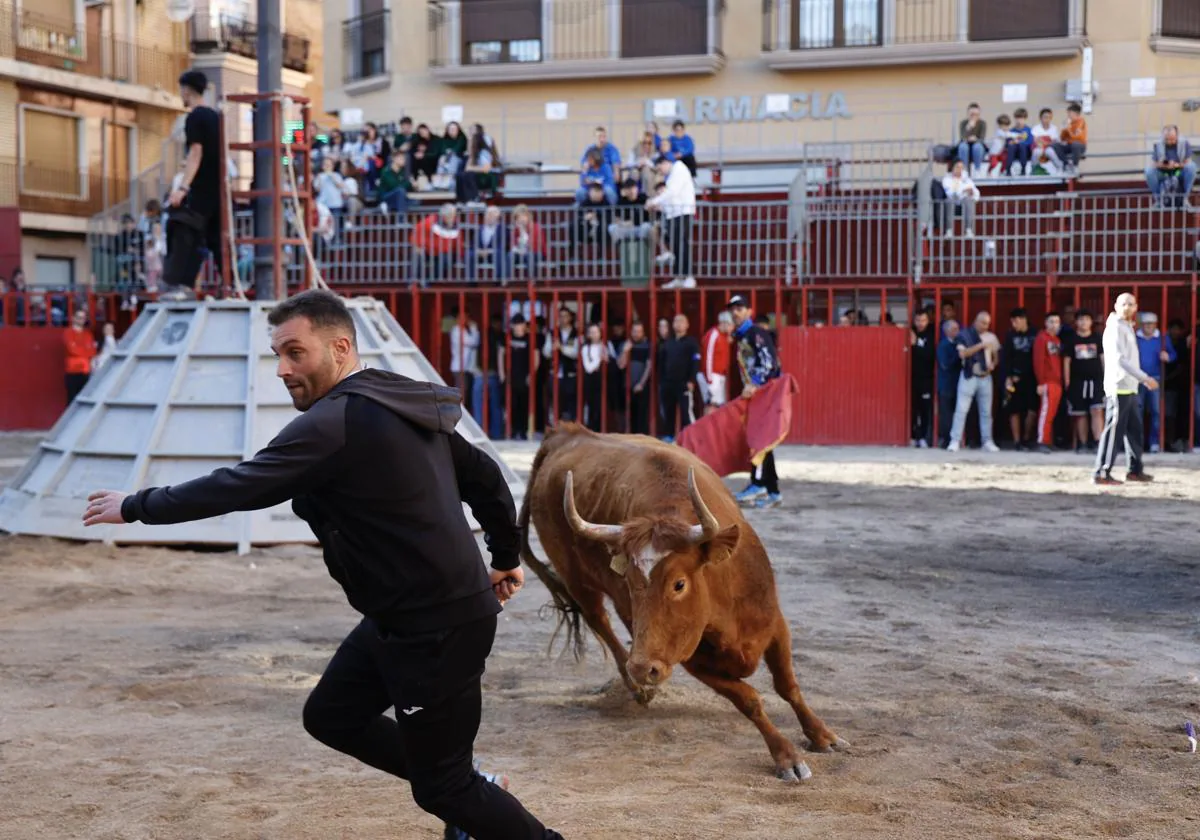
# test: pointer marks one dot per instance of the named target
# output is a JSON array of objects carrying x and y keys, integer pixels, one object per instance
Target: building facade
[
  {"x": 756, "y": 80},
  {"x": 88, "y": 96}
]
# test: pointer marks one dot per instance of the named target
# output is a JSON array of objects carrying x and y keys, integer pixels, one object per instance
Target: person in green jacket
[{"x": 394, "y": 183}]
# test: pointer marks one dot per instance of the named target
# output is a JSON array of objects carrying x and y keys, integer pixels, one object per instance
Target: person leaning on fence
[
  {"x": 1122, "y": 408},
  {"x": 1172, "y": 170}
]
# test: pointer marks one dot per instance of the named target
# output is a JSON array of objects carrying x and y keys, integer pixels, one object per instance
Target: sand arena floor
[{"x": 1010, "y": 652}]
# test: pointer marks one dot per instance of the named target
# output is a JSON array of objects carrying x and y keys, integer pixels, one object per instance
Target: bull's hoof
[
  {"x": 837, "y": 745},
  {"x": 798, "y": 772}
]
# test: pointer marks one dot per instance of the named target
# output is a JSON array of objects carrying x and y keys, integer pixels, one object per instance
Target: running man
[
  {"x": 1122, "y": 408},
  {"x": 759, "y": 364},
  {"x": 374, "y": 466}
]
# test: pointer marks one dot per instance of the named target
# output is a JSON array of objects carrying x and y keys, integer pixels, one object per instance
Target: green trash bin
[{"x": 635, "y": 263}]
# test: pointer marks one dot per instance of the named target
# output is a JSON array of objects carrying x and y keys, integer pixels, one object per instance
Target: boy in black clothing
[
  {"x": 365, "y": 464},
  {"x": 1083, "y": 378},
  {"x": 924, "y": 360},
  {"x": 1020, "y": 397}
]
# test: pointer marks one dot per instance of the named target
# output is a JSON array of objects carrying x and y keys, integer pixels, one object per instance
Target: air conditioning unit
[{"x": 1074, "y": 90}]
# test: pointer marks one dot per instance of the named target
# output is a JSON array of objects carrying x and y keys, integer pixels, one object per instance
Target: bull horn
[
  {"x": 708, "y": 527},
  {"x": 602, "y": 533}
]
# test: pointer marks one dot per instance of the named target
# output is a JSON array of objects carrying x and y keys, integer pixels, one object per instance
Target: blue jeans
[
  {"x": 396, "y": 200},
  {"x": 1149, "y": 400},
  {"x": 1018, "y": 153},
  {"x": 1156, "y": 178},
  {"x": 610, "y": 195},
  {"x": 495, "y": 395},
  {"x": 978, "y": 388},
  {"x": 971, "y": 153}
]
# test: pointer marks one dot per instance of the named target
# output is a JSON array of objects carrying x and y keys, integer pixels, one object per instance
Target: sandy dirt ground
[{"x": 1010, "y": 652}]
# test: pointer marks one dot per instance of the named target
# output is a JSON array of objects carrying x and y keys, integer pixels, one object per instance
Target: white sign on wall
[
  {"x": 665, "y": 108},
  {"x": 1143, "y": 87},
  {"x": 1016, "y": 93},
  {"x": 556, "y": 110},
  {"x": 350, "y": 117},
  {"x": 180, "y": 11},
  {"x": 452, "y": 113},
  {"x": 777, "y": 103}
]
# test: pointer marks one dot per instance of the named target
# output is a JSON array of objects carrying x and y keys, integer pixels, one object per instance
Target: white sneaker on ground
[
  {"x": 990, "y": 447},
  {"x": 953, "y": 447}
]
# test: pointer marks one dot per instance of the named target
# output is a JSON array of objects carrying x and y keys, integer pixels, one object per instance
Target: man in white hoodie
[
  {"x": 678, "y": 206},
  {"x": 1122, "y": 409}
]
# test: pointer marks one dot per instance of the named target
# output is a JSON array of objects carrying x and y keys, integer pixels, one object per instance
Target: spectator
[
  {"x": 640, "y": 163},
  {"x": 1048, "y": 368},
  {"x": 337, "y": 147},
  {"x": 1172, "y": 167},
  {"x": 1045, "y": 136},
  {"x": 369, "y": 155},
  {"x": 330, "y": 187},
  {"x": 972, "y": 135},
  {"x": 131, "y": 250},
  {"x": 949, "y": 367},
  {"x": 1018, "y": 147},
  {"x": 1068, "y": 322},
  {"x": 1020, "y": 384},
  {"x": 395, "y": 185},
  {"x": 490, "y": 248},
  {"x": 437, "y": 244},
  {"x": 593, "y": 355},
  {"x": 630, "y": 221},
  {"x": 80, "y": 350},
  {"x": 478, "y": 174},
  {"x": 423, "y": 157},
  {"x": 108, "y": 346},
  {"x": 520, "y": 375},
  {"x": 615, "y": 374},
  {"x": 998, "y": 146},
  {"x": 678, "y": 205},
  {"x": 564, "y": 343},
  {"x": 528, "y": 242},
  {"x": 155, "y": 251},
  {"x": 597, "y": 172},
  {"x": 353, "y": 197},
  {"x": 591, "y": 224},
  {"x": 974, "y": 384},
  {"x": 763, "y": 322},
  {"x": 404, "y": 133},
  {"x": 717, "y": 346},
  {"x": 681, "y": 364},
  {"x": 1176, "y": 387},
  {"x": 488, "y": 389},
  {"x": 1083, "y": 374},
  {"x": 1074, "y": 140},
  {"x": 609, "y": 155},
  {"x": 454, "y": 149},
  {"x": 924, "y": 360},
  {"x": 660, "y": 361},
  {"x": 683, "y": 149},
  {"x": 1122, "y": 407},
  {"x": 1153, "y": 353},
  {"x": 151, "y": 213},
  {"x": 961, "y": 196},
  {"x": 640, "y": 366},
  {"x": 541, "y": 387},
  {"x": 651, "y": 128},
  {"x": 464, "y": 355},
  {"x": 949, "y": 313},
  {"x": 195, "y": 221}
]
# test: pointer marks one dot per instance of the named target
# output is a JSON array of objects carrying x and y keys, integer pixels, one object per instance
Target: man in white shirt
[
  {"x": 1045, "y": 136},
  {"x": 678, "y": 205}
]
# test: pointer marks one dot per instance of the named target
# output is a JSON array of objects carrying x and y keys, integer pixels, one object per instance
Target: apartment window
[
  {"x": 54, "y": 272},
  {"x": 364, "y": 40},
  {"x": 51, "y": 145},
  {"x": 1017, "y": 19},
  {"x": 818, "y": 24},
  {"x": 651, "y": 28},
  {"x": 1180, "y": 19},
  {"x": 502, "y": 31}
]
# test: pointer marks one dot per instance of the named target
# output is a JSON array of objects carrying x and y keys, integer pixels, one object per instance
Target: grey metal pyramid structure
[{"x": 191, "y": 388}]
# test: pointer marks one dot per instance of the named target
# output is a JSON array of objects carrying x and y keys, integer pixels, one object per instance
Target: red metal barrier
[{"x": 31, "y": 378}]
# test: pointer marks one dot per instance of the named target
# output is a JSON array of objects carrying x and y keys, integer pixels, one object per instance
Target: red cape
[{"x": 743, "y": 431}]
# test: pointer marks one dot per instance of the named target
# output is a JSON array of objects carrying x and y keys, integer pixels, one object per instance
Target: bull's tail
[{"x": 570, "y": 614}]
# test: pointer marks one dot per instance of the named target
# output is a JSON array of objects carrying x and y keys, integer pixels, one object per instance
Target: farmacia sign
[{"x": 750, "y": 109}]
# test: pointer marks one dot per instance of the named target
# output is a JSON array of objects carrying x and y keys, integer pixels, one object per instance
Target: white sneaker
[
  {"x": 673, "y": 284},
  {"x": 665, "y": 258},
  {"x": 1029, "y": 168},
  {"x": 969, "y": 233},
  {"x": 949, "y": 234},
  {"x": 922, "y": 444},
  {"x": 953, "y": 447},
  {"x": 990, "y": 447},
  {"x": 689, "y": 282}
]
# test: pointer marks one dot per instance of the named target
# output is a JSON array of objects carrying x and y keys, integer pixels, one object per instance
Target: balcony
[
  {"x": 72, "y": 192},
  {"x": 85, "y": 49},
  {"x": 217, "y": 32},
  {"x": 819, "y": 34},
  {"x": 497, "y": 41},
  {"x": 366, "y": 52},
  {"x": 1176, "y": 28}
]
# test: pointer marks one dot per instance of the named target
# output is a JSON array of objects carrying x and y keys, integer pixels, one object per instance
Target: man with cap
[
  {"x": 1153, "y": 352},
  {"x": 759, "y": 364},
  {"x": 1122, "y": 409},
  {"x": 715, "y": 369}
]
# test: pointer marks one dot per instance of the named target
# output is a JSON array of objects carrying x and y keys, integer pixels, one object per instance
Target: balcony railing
[
  {"x": 86, "y": 49},
  {"x": 36, "y": 188},
  {"x": 365, "y": 46},
  {"x": 814, "y": 25},
  {"x": 216, "y": 32},
  {"x": 545, "y": 38}
]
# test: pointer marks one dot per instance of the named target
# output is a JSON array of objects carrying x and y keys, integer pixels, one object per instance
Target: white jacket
[
  {"x": 960, "y": 188},
  {"x": 1122, "y": 371},
  {"x": 679, "y": 198}
]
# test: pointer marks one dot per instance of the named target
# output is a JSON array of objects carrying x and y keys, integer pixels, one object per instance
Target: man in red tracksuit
[
  {"x": 1048, "y": 369},
  {"x": 716, "y": 350}
]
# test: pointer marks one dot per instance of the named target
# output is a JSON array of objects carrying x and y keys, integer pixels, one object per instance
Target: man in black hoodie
[
  {"x": 368, "y": 465},
  {"x": 924, "y": 360}
]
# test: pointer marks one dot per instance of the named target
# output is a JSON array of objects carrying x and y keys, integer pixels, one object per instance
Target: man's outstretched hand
[
  {"x": 505, "y": 583},
  {"x": 104, "y": 508}
]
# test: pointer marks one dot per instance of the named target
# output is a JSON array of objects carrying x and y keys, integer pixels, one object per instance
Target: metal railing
[
  {"x": 41, "y": 189},
  {"x": 487, "y": 32},
  {"x": 832, "y": 24},
  {"x": 215, "y": 31},
  {"x": 366, "y": 45},
  {"x": 88, "y": 50}
]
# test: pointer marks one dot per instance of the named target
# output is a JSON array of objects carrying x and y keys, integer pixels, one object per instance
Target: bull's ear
[{"x": 720, "y": 547}]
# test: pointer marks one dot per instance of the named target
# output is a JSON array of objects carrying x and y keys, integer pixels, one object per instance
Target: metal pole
[{"x": 267, "y": 214}]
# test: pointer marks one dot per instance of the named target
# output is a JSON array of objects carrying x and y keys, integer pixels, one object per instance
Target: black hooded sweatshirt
[{"x": 377, "y": 470}]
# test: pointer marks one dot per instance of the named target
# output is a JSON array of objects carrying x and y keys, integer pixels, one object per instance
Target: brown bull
[{"x": 653, "y": 528}]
